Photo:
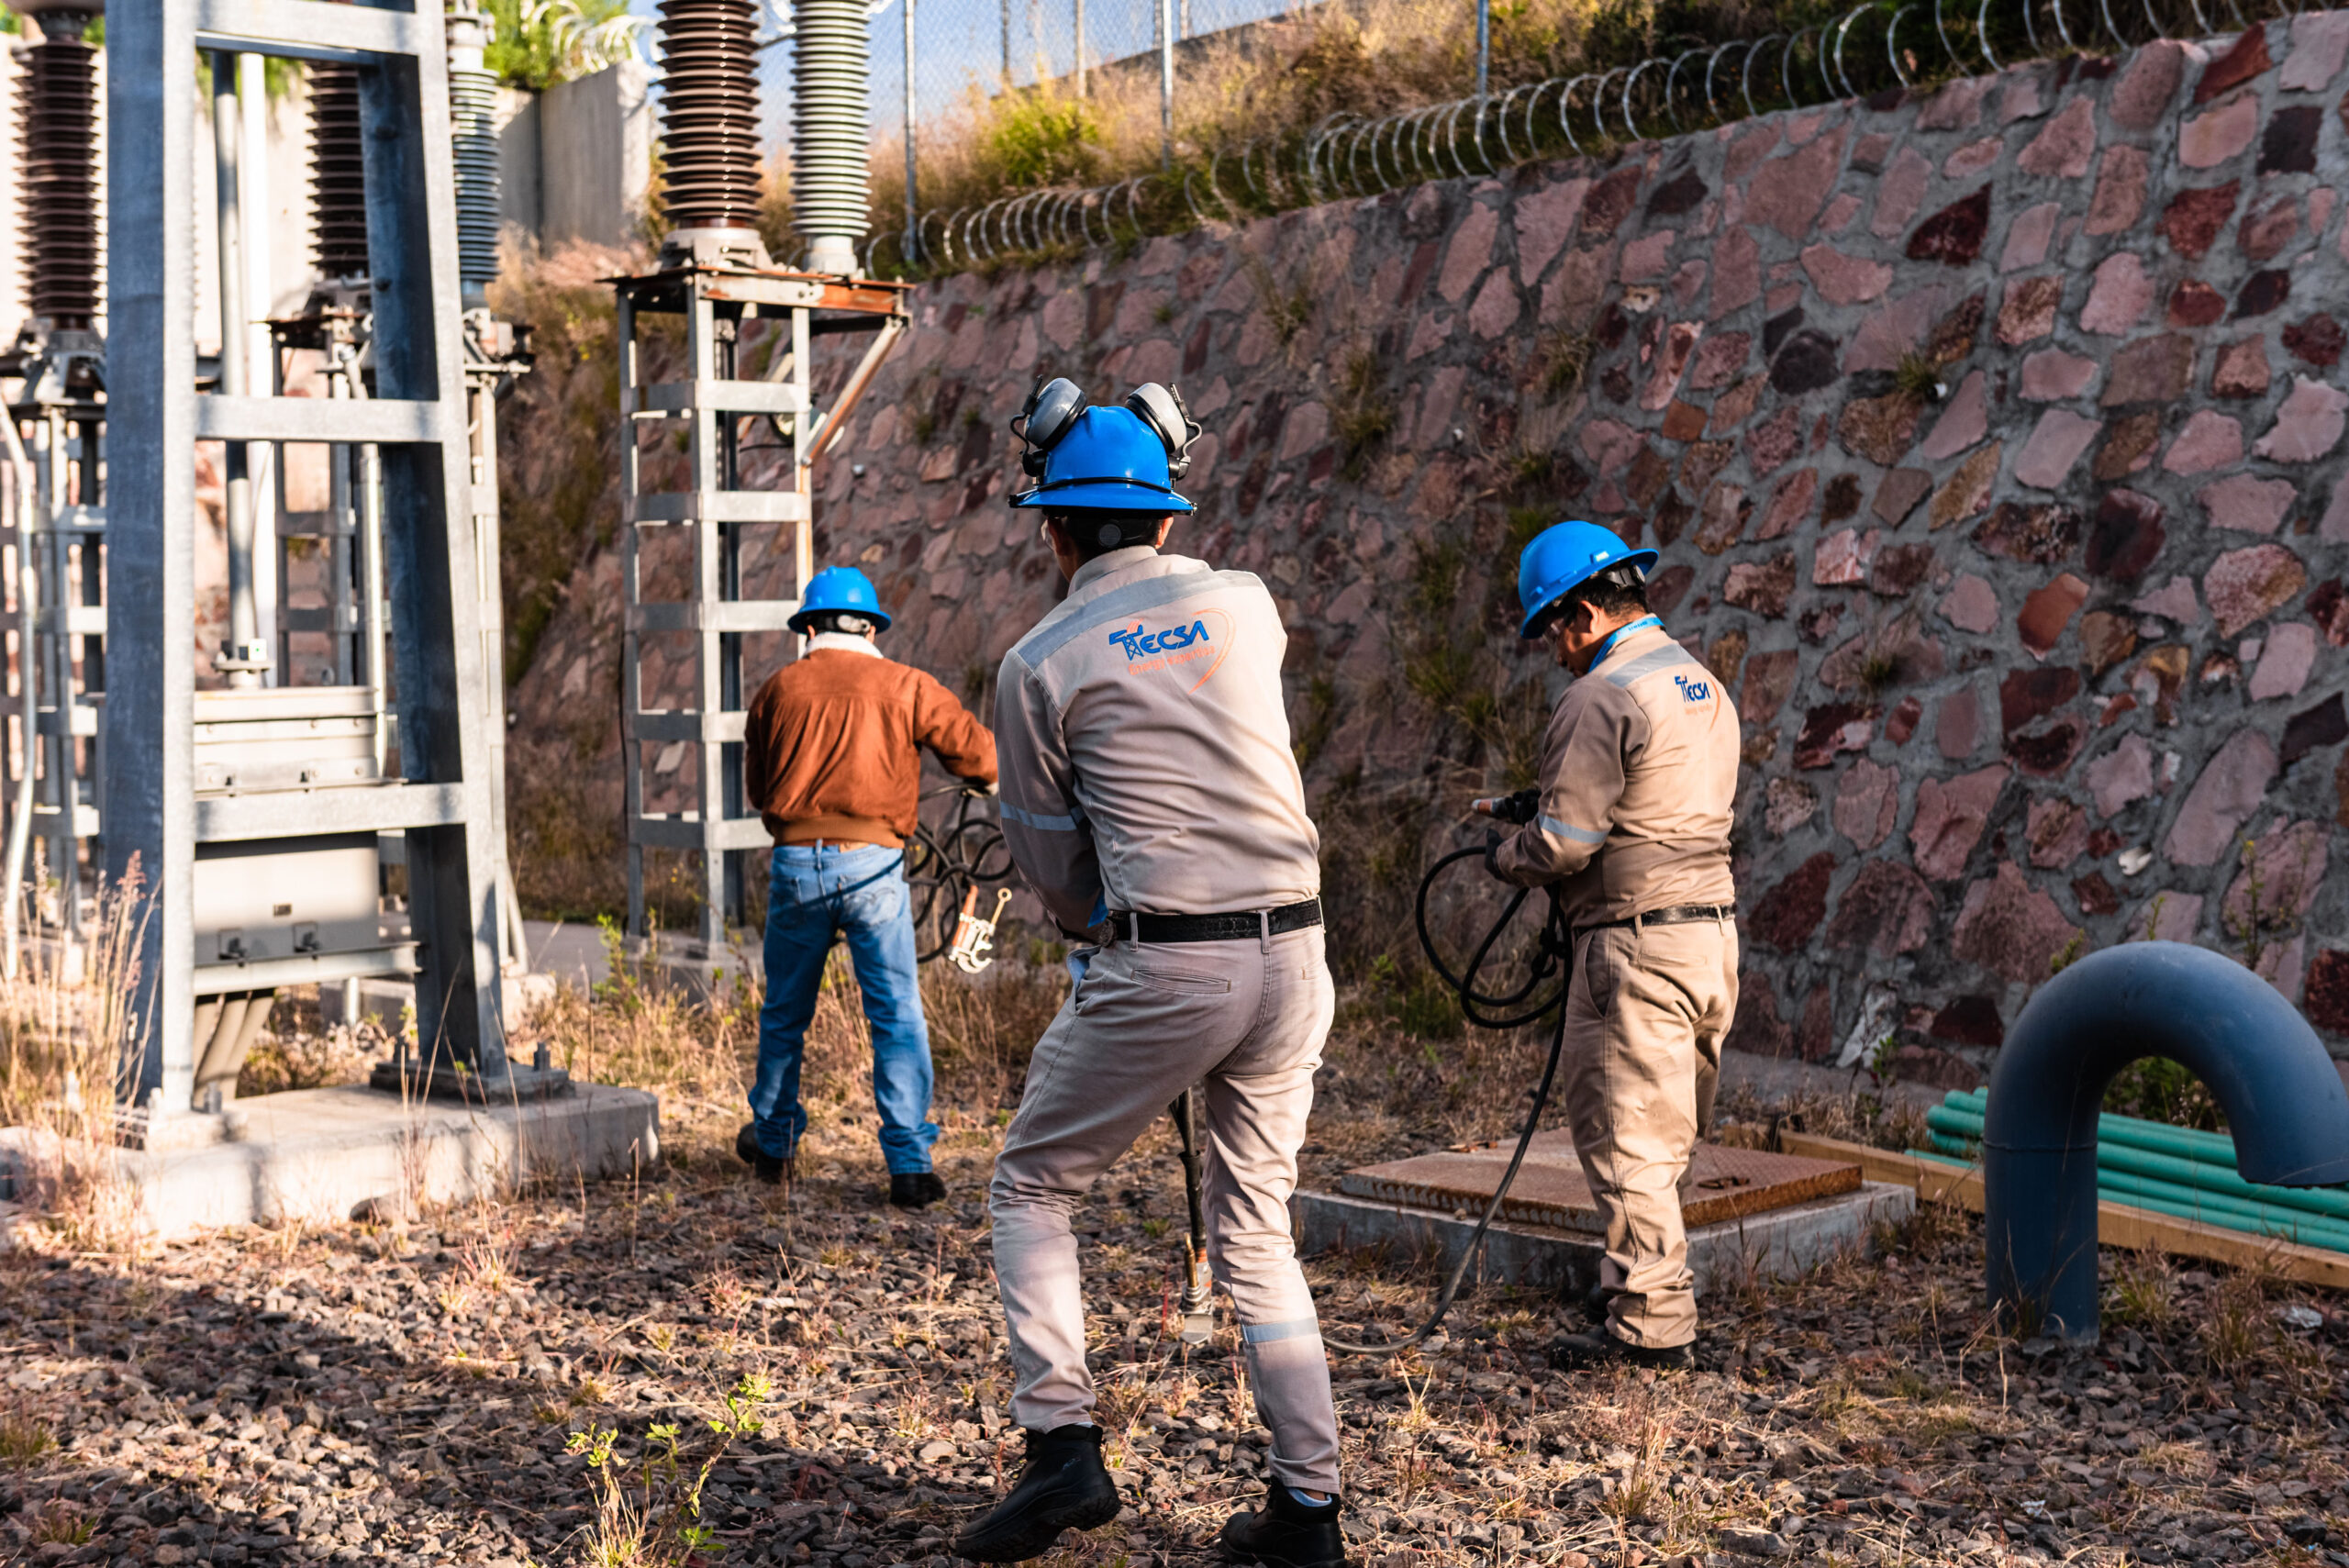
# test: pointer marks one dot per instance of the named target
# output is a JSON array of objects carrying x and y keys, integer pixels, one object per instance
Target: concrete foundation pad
[
  {"x": 1777, "y": 1244},
  {"x": 323, "y": 1156}
]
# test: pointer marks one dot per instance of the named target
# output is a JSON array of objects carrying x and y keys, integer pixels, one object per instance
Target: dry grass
[
  {"x": 701, "y": 1055},
  {"x": 1868, "y": 1410},
  {"x": 66, "y": 1064},
  {"x": 1858, "y": 1114}
]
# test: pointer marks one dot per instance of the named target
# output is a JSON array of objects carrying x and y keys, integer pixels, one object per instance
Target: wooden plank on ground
[{"x": 2117, "y": 1224}]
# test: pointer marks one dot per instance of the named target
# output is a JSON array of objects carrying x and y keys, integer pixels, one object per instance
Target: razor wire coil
[{"x": 1675, "y": 91}]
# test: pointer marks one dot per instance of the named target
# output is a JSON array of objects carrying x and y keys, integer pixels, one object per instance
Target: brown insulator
[
  {"x": 709, "y": 113},
  {"x": 60, "y": 184},
  {"x": 338, "y": 180}
]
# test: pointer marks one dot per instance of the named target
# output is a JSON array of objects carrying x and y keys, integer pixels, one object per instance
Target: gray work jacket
[
  {"x": 1144, "y": 747},
  {"x": 1639, "y": 785}
]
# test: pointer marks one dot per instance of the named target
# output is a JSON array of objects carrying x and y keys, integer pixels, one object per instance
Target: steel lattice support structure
[
  {"x": 156, "y": 815},
  {"x": 712, "y": 401}
]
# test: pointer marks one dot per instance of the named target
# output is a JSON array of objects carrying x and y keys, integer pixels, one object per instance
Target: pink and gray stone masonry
[{"x": 1993, "y": 438}]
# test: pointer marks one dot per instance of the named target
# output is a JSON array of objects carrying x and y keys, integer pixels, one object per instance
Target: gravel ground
[
  {"x": 422, "y": 1392},
  {"x": 408, "y": 1395}
]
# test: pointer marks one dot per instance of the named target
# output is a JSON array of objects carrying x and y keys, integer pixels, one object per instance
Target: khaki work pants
[
  {"x": 1645, "y": 1020},
  {"x": 1148, "y": 1020}
]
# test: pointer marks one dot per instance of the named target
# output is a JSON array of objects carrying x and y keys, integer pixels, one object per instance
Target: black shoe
[
  {"x": 914, "y": 1189},
  {"x": 1581, "y": 1352},
  {"x": 1286, "y": 1532},
  {"x": 764, "y": 1166},
  {"x": 1062, "y": 1486}
]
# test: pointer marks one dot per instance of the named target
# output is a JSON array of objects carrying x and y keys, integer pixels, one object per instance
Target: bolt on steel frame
[
  {"x": 711, "y": 401},
  {"x": 167, "y": 809}
]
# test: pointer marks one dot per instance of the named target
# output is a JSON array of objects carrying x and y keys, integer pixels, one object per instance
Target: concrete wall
[
  {"x": 521, "y": 196},
  {"x": 596, "y": 156},
  {"x": 1992, "y": 438}
]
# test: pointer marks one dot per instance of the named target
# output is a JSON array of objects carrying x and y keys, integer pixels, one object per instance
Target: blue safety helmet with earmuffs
[
  {"x": 1561, "y": 557},
  {"x": 1115, "y": 459},
  {"x": 838, "y": 590}
]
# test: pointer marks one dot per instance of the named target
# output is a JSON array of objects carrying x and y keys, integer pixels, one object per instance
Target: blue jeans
[{"x": 816, "y": 891}]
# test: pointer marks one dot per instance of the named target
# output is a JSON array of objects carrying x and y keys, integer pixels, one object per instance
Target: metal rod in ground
[
  {"x": 913, "y": 222},
  {"x": 1167, "y": 83},
  {"x": 1484, "y": 45},
  {"x": 1080, "y": 47},
  {"x": 1007, "y": 43},
  {"x": 1198, "y": 1313}
]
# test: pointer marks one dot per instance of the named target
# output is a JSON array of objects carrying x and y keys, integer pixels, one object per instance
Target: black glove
[
  {"x": 1520, "y": 807},
  {"x": 1492, "y": 851}
]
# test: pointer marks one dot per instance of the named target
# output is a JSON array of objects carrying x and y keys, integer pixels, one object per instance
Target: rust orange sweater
[{"x": 830, "y": 745}]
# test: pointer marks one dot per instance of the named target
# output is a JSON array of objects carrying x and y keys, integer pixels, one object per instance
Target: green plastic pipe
[
  {"x": 2185, "y": 1142},
  {"x": 2207, "y": 1178},
  {"x": 2189, "y": 1204},
  {"x": 2212, "y": 1209}
]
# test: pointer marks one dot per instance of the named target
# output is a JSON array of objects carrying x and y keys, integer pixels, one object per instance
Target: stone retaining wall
[{"x": 1992, "y": 438}]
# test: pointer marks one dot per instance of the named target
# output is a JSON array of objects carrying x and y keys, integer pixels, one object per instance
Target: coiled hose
[{"x": 1492, "y": 1012}]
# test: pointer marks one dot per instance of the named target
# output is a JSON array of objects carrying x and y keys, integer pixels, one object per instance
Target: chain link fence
[
  {"x": 1052, "y": 82},
  {"x": 963, "y": 48}
]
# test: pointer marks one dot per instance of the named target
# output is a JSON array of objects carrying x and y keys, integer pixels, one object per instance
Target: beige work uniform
[
  {"x": 1638, "y": 781},
  {"x": 1144, "y": 749}
]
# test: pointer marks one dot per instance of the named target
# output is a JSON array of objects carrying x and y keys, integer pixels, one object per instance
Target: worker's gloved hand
[
  {"x": 977, "y": 790},
  {"x": 1492, "y": 854},
  {"x": 1520, "y": 807}
]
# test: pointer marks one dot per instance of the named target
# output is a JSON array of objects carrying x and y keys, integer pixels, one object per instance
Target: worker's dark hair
[
  {"x": 1097, "y": 531},
  {"x": 1614, "y": 592},
  {"x": 841, "y": 620},
  {"x": 1610, "y": 593}
]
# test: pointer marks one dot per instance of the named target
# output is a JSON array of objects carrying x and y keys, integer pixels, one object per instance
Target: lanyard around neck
[{"x": 1605, "y": 647}]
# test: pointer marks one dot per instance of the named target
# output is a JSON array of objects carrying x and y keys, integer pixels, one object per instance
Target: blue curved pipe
[{"x": 2283, "y": 1098}]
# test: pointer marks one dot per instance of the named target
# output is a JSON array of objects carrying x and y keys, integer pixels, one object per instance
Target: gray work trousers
[
  {"x": 1645, "y": 1020},
  {"x": 1145, "y": 1022}
]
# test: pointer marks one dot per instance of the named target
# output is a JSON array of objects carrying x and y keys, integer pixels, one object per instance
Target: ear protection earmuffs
[
  {"x": 1162, "y": 408},
  {"x": 1052, "y": 407}
]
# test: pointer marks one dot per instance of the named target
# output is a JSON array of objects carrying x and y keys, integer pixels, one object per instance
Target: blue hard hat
[
  {"x": 839, "y": 589},
  {"x": 1561, "y": 557},
  {"x": 1109, "y": 460}
]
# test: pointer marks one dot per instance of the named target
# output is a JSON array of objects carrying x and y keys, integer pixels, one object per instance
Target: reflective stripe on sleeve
[
  {"x": 1272, "y": 1333},
  {"x": 1568, "y": 831}
]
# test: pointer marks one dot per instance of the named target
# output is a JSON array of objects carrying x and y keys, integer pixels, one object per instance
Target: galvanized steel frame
[
  {"x": 711, "y": 398},
  {"x": 153, "y": 819}
]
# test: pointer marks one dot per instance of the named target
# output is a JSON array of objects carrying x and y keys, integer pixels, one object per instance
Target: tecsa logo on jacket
[
  {"x": 1141, "y": 644},
  {"x": 1692, "y": 691},
  {"x": 1148, "y": 651}
]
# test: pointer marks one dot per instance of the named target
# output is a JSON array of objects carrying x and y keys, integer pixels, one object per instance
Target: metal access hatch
[{"x": 1551, "y": 1189}]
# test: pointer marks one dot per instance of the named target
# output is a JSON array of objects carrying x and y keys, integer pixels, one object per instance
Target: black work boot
[
  {"x": 764, "y": 1166},
  {"x": 914, "y": 1189},
  {"x": 1286, "y": 1532},
  {"x": 1584, "y": 1353},
  {"x": 1062, "y": 1486}
]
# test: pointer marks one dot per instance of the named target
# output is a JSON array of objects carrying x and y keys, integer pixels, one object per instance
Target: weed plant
[{"x": 68, "y": 1060}]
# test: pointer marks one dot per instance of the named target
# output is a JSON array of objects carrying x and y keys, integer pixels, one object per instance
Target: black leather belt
[
  {"x": 1678, "y": 915},
  {"x": 1244, "y": 926}
]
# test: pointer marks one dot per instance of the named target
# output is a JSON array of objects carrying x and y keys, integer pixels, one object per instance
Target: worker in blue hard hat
[
  {"x": 830, "y": 758},
  {"x": 1630, "y": 827},
  {"x": 1152, "y": 799}
]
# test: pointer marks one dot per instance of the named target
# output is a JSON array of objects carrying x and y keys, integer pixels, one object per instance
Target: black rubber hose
[{"x": 1557, "y": 947}]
